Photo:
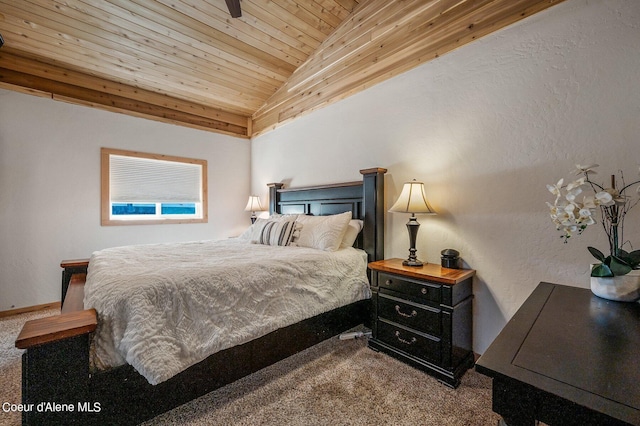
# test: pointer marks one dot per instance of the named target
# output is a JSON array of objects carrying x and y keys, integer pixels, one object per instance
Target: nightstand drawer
[
  {"x": 413, "y": 343},
  {"x": 419, "y": 317},
  {"x": 422, "y": 289}
]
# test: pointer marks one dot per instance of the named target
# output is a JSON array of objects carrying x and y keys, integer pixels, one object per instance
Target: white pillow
[
  {"x": 353, "y": 229},
  {"x": 322, "y": 232},
  {"x": 253, "y": 232}
]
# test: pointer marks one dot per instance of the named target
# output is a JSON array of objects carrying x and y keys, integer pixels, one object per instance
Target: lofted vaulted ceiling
[{"x": 189, "y": 62}]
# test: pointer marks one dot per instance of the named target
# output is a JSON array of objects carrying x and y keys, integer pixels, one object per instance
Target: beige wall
[
  {"x": 50, "y": 188},
  {"x": 486, "y": 127}
]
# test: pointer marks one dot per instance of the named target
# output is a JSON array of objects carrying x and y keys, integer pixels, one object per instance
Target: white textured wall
[
  {"x": 50, "y": 188},
  {"x": 486, "y": 127}
]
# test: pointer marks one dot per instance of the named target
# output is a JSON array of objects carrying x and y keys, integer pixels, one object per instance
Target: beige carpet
[{"x": 333, "y": 383}]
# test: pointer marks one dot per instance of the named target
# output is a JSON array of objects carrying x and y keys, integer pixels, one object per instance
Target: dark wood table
[{"x": 567, "y": 357}]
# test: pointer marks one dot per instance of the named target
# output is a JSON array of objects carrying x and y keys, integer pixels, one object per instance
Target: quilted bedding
[{"x": 164, "y": 307}]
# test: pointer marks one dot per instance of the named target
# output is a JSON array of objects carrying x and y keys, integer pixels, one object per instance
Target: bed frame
[{"x": 59, "y": 388}]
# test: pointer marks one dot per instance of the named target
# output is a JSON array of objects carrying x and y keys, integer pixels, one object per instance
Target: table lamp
[
  {"x": 412, "y": 200},
  {"x": 253, "y": 206}
]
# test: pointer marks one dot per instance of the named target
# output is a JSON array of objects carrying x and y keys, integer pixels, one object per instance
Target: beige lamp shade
[
  {"x": 412, "y": 199},
  {"x": 253, "y": 205}
]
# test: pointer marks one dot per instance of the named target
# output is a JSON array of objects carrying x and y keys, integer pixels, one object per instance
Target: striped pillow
[{"x": 277, "y": 232}]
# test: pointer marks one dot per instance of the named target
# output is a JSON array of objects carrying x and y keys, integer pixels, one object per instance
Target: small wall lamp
[{"x": 412, "y": 200}]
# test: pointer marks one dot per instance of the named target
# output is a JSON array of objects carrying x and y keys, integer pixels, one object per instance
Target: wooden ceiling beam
[
  {"x": 95, "y": 99},
  {"x": 38, "y": 78},
  {"x": 10, "y": 59}
]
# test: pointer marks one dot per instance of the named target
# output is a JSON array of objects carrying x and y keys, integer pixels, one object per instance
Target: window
[{"x": 139, "y": 188}]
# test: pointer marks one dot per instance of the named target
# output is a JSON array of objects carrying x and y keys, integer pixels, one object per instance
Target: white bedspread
[{"x": 164, "y": 307}]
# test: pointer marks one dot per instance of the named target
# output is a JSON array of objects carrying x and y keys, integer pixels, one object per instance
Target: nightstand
[{"x": 422, "y": 316}]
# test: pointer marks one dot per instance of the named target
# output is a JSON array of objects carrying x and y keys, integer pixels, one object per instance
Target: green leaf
[
  {"x": 596, "y": 253},
  {"x": 601, "y": 270},
  {"x": 634, "y": 258},
  {"x": 619, "y": 266},
  {"x": 623, "y": 256}
]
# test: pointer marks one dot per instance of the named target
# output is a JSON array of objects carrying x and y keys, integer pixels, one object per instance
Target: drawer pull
[
  {"x": 412, "y": 314},
  {"x": 406, "y": 342},
  {"x": 424, "y": 291},
  {"x": 388, "y": 282}
]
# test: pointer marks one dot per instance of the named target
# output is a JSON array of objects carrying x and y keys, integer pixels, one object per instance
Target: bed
[{"x": 60, "y": 385}]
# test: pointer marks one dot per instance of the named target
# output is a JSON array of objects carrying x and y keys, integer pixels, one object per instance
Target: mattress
[{"x": 164, "y": 307}]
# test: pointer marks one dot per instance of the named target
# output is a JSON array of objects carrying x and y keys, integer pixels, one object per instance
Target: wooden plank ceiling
[{"x": 189, "y": 62}]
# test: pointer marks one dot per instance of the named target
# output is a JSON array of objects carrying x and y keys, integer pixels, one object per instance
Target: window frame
[{"x": 105, "y": 189}]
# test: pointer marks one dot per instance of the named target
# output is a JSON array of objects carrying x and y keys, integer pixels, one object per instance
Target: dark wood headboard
[{"x": 365, "y": 200}]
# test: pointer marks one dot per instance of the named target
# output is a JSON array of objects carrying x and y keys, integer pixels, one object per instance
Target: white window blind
[{"x": 136, "y": 180}]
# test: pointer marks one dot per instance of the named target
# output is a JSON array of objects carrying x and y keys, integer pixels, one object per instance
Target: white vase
[{"x": 623, "y": 288}]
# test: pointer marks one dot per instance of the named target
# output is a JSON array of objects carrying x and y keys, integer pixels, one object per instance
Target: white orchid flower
[
  {"x": 603, "y": 198},
  {"x": 586, "y": 217},
  {"x": 571, "y": 195},
  {"x": 585, "y": 213},
  {"x": 580, "y": 170},
  {"x": 616, "y": 196},
  {"x": 568, "y": 218},
  {"x": 576, "y": 184},
  {"x": 557, "y": 188},
  {"x": 571, "y": 229},
  {"x": 553, "y": 210}
]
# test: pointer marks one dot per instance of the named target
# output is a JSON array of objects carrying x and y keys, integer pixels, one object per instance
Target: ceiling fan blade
[{"x": 234, "y": 8}]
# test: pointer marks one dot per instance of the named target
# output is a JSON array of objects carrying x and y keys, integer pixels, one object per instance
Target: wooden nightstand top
[{"x": 428, "y": 271}]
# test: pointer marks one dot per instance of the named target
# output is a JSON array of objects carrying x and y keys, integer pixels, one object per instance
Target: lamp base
[
  {"x": 412, "y": 227},
  {"x": 413, "y": 263}
]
